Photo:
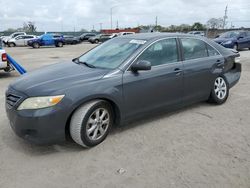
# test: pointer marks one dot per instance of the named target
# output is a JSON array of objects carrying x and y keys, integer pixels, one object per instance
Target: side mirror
[
  {"x": 141, "y": 65},
  {"x": 217, "y": 36}
]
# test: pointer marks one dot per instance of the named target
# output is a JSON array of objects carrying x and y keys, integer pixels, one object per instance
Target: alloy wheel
[
  {"x": 97, "y": 124},
  {"x": 220, "y": 88}
]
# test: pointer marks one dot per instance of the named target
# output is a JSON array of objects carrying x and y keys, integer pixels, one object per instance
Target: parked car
[
  {"x": 4, "y": 65},
  {"x": 13, "y": 35},
  {"x": 47, "y": 40},
  {"x": 100, "y": 38},
  {"x": 198, "y": 33},
  {"x": 20, "y": 40},
  {"x": 118, "y": 81},
  {"x": 234, "y": 39},
  {"x": 125, "y": 33},
  {"x": 113, "y": 35},
  {"x": 68, "y": 39},
  {"x": 86, "y": 36}
]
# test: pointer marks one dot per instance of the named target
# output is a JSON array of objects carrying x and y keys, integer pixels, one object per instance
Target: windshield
[
  {"x": 229, "y": 34},
  {"x": 112, "y": 53}
]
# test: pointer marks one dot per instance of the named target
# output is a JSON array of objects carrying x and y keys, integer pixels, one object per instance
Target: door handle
[
  {"x": 219, "y": 63},
  {"x": 177, "y": 71}
]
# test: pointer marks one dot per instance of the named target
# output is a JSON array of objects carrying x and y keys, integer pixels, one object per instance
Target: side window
[
  {"x": 248, "y": 33},
  {"x": 161, "y": 52},
  {"x": 194, "y": 48},
  {"x": 212, "y": 51},
  {"x": 243, "y": 34}
]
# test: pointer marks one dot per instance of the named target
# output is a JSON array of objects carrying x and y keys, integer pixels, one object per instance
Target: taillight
[{"x": 4, "y": 57}]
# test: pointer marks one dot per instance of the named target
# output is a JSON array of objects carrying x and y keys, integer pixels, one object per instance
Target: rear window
[
  {"x": 194, "y": 48},
  {"x": 212, "y": 51}
]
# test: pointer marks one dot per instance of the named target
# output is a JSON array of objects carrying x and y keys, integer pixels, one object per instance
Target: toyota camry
[{"x": 122, "y": 79}]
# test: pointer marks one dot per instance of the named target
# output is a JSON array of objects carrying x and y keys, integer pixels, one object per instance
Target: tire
[
  {"x": 220, "y": 91},
  {"x": 59, "y": 44},
  {"x": 96, "y": 41},
  {"x": 84, "y": 118},
  {"x": 36, "y": 45},
  {"x": 11, "y": 44},
  {"x": 236, "y": 47}
]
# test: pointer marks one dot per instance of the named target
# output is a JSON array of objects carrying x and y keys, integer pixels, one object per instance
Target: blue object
[
  {"x": 234, "y": 39},
  {"x": 47, "y": 40},
  {"x": 18, "y": 67}
]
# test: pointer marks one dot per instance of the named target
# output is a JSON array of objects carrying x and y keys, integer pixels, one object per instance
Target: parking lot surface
[{"x": 202, "y": 145}]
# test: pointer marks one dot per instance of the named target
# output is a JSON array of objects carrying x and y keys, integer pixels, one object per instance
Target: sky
[{"x": 70, "y": 15}]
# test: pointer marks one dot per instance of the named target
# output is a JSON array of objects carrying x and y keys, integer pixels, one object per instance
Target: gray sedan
[{"x": 122, "y": 79}]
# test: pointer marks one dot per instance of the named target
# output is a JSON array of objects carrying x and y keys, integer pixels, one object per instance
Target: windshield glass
[
  {"x": 229, "y": 34},
  {"x": 112, "y": 53}
]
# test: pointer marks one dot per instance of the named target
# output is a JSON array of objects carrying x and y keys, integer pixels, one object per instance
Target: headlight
[
  {"x": 40, "y": 102},
  {"x": 227, "y": 42},
  {"x": 237, "y": 59}
]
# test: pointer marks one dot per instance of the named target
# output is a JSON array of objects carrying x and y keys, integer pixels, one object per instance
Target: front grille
[{"x": 12, "y": 100}]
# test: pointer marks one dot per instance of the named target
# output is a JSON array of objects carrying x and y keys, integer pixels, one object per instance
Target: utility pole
[
  {"x": 156, "y": 23},
  {"x": 93, "y": 28},
  {"x": 100, "y": 26},
  {"x": 225, "y": 18},
  {"x": 111, "y": 16},
  {"x": 117, "y": 24}
]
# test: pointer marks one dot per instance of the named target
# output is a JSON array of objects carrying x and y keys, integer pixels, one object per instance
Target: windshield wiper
[
  {"x": 87, "y": 64},
  {"x": 76, "y": 60}
]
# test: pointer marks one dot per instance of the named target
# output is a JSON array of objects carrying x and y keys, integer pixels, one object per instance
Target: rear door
[
  {"x": 202, "y": 64},
  {"x": 162, "y": 86}
]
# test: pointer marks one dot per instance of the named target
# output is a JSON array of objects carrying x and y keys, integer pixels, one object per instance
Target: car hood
[
  {"x": 221, "y": 40},
  {"x": 55, "y": 78}
]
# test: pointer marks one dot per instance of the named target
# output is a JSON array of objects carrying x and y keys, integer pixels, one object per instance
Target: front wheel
[
  {"x": 236, "y": 47},
  {"x": 220, "y": 91},
  {"x": 91, "y": 123},
  {"x": 59, "y": 44},
  {"x": 11, "y": 44},
  {"x": 36, "y": 45}
]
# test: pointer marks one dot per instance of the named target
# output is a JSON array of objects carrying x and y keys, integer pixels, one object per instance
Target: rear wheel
[
  {"x": 36, "y": 45},
  {"x": 91, "y": 123},
  {"x": 220, "y": 91},
  {"x": 96, "y": 41}
]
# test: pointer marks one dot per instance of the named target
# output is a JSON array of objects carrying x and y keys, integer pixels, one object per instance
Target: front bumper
[
  {"x": 42, "y": 126},
  {"x": 233, "y": 76}
]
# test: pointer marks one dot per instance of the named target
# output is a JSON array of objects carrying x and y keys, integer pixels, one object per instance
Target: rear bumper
[
  {"x": 233, "y": 76},
  {"x": 3, "y": 65}
]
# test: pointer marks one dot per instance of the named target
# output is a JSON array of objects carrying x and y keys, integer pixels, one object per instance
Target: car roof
[
  {"x": 152, "y": 36},
  {"x": 156, "y": 36}
]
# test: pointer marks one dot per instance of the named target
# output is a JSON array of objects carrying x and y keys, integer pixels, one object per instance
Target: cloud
[{"x": 66, "y": 14}]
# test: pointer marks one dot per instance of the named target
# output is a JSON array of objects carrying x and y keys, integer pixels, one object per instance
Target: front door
[{"x": 159, "y": 87}]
